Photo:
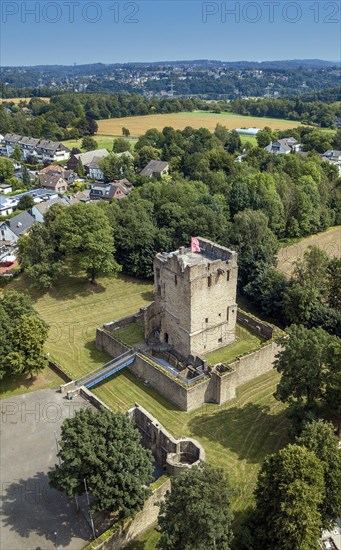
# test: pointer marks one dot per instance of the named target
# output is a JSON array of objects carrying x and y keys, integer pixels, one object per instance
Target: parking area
[{"x": 34, "y": 516}]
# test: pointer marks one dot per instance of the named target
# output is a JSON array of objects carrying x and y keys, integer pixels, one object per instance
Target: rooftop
[{"x": 209, "y": 252}]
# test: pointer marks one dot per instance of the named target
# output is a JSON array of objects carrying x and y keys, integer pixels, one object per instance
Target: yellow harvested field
[
  {"x": 329, "y": 241},
  {"x": 138, "y": 125},
  {"x": 17, "y": 100}
]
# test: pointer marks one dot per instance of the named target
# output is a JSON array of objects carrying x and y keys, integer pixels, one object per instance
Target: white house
[
  {"x": 11, "y": 230},
  {"x": 38, "y": 211},
  {"x": 283, "y": 146}
]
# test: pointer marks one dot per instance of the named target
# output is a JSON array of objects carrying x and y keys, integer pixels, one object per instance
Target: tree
[
  {"x": 307, "y": 362},
  {"x": 80, "y": 169},
  {"x": 27, "y": 335},
  {"x": 87, "y": 240},
  {"x": 196, "y": 514},
  {"x": 255, "y": 243},
  {"x": 289, "y": 493},
  {"x": 319, "y": 437},
  {"x": 89, "y": 143},
  {"x": 121, "y": 145},
  {"x": 125, "y": 132},
  {"x": 6, "y": 169},
  {"x": 16, "y": 154},
  {"x": 26, "y": 202},
  {"x": 26, "y": 178},
  {"x": 104, "y": 449},
  {"x": 265, "y": 136},
  {"x": 22, "y": 335},
  {"x": 39, "y": 254}
]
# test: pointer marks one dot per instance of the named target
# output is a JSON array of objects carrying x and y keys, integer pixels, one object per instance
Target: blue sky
[{"x": 109, "y": 31}]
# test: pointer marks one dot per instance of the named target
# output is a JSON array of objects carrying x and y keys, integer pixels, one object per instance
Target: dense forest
[{"x": 313, "y": 112}]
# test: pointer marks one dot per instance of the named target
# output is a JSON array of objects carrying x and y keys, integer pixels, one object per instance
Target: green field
[
  {"x": 75, "y": 308},
  {"x": 245, "y": 343},
  {"x": 103, "y": 142},
  {"x": 21, "y": 383}
]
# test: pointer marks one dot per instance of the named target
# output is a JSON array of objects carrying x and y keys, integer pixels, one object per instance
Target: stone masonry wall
[{"x": 215, "y": 389}]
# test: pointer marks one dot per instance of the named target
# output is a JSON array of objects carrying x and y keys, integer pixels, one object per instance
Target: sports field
[
  {"x": 138, "y": 125},
  {"x": 329, "y": 241}
]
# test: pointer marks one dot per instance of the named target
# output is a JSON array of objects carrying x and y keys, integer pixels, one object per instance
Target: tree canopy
[
  {"x": 22, "y": 336},
  {"x": 104, "y": 449},
  {"x": 289, "y": 495},
  {"x": 196, "y": 514}
]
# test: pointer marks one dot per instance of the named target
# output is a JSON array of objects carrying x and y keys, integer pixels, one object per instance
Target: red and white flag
[{"x": 195, "y": 245}]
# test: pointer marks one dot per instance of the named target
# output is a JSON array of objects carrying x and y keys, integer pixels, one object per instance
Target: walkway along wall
[{"x": 217, "y": 388}]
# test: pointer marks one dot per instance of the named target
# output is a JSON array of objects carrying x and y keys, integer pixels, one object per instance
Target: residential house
[
  {"x": 9, "y": 203},
  {"x": 52, "y": 151},
  {"x": 11, "y": 230},
  {"x": 82, "y": 196},
  {"x": 38, "y": 211},
  {"x": 54, "y": 169},
  {"x": 126, "y": 154},
  {"x": 117, "y": 189},
  {"x": 43, "y": 150},
  {"x": 28, "y": 146},
  {"x": 155, "y": 168},
  {"x": 54, "y": 182},
  {"x": 334, "y": 157},
  {"x": 283, "y": 146},
  {"x": 5, "y": 188},
  {"x": 99, "y": 191},
  {"x": 9, "y": 141},
  {"x": 90, "y": 161}
]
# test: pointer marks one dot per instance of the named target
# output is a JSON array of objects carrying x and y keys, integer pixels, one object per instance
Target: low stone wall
[
  {"x": 125, "y": 321},
  {"x": 174, "y": 454},
  {"x": 217, "y": 388},
  {"x": 58, "y": 370},
  {"x": 132, "y": 528},
  {"x": 106, "y": 342},
  {"x": 255, "y": 325}
]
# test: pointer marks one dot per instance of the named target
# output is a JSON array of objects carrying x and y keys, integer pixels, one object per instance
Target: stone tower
[{"x": 195, "y": 298}]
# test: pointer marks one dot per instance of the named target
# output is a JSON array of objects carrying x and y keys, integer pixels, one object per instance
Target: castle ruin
[{"x": 195, "y": 308}]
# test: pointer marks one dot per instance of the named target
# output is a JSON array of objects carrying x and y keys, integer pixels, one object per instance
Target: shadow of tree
[
  {"x": 33, "y": 509},
  {"x": 250, "y": 431}
]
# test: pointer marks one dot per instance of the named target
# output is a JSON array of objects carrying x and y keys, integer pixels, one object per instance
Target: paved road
[{"x": 31, "y": 511}]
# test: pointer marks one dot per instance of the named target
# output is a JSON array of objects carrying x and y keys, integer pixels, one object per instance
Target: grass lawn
[
  {"x": 74, "y": 309},
  {"x": 245, "y": 343},
  {"x": 147, "y": 541},
  {"x": 104, "y": 142},
  {"x": 24, "y": 384},
  {"x": 236, "y": 436},
  {"x": 248, "y": 139},
  {"x": 132, "y": 334}
]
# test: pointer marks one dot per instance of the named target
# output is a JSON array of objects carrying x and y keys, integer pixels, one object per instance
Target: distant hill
[{"x": 284, "y": 64}]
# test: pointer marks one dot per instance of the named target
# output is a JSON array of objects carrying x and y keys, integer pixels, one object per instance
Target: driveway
[{"x": 35, "y": 516}]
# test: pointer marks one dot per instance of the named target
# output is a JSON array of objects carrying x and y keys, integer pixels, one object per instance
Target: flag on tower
[{"x": 195, "y": 245}]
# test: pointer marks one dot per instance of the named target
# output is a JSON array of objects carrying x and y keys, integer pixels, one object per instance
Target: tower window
[
  {"x": 209, "y": 281},
  {"x": 206, "y": 320},
  {"x": 175, "y": 279},
  {"x": 228, "y": 275},
  {"x": 227, "y": 314},
  {"x": 158, "y": 273},
  {"x": 220, "y": 340}
]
